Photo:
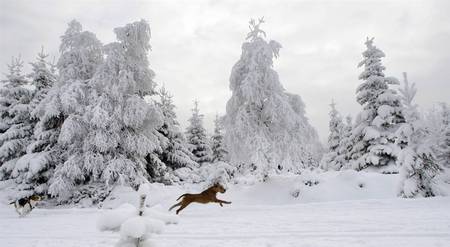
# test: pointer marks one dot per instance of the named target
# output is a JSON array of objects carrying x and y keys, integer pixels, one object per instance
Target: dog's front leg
[{"x": 221, "y": 201}]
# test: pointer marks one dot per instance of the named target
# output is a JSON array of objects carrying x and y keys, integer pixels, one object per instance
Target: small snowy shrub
[{"x": 306, "y": 179}]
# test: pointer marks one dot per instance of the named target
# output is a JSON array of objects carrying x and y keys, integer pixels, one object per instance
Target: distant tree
[
  {"x": 175, "y": 151},
  {"x": 346, "y": 144},
  {"x": 196, "y": 136},
  {"x": 219, "y": 152},
  {"x": 417, "y": 161},
  {"x": 334, "y": 159},
  {"x": 374, "y": 132},
  {"x": 265, "y": 128},
  {"x": 15, "y": 125}
]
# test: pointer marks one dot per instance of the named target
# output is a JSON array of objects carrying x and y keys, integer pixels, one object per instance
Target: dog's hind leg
[
  {"x": 176, "y": 205},
  {"x": 182, "y": 207}
]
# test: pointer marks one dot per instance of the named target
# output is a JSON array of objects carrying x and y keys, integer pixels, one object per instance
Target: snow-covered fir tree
[
  {"x": 197, "y": 138},
  {"x": 175, "y": 149},
  {"x": 33, "y": 170},
  {"x": 334, "y": 159},
  {"x": 374, "y": 133},
  {"x": 60, "y": 112},
  {"x": 219, "y": 152},
  {"x": 436, "y": 122},
  {"x": 265, "y": 127},
  {"x": 15, "y": 125},
  {"x": 443, "y": 143},
  {"x": 417, "y": 161},
  {"x": 118, "y": 126},
  {"x": 346, "y": 143}
]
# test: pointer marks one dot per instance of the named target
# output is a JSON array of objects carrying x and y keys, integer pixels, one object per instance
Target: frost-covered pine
[
  {"x": 34, "y": 169},
  {"x": 15, "y": 124},
  {"x": 374, "y": 132},
  {"x": 336, "y": 128},
  {"x": 118, "y": 127},
  {"x": 416, "y": 160},
  {"x": 346, "y": 143},
  {"x": 175, "y": 149},
  {"x": 444, "y": 145},
  {"x": 60, "y": 112},
  {"x": 219, "y": 152},
  {"x": 196, "y": 137},
  {"x": 265, "y": 127},
  {"x": 334, "y": 159}
]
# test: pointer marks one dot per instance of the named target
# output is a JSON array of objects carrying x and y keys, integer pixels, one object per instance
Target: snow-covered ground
[{"x": 261, "y": 215}]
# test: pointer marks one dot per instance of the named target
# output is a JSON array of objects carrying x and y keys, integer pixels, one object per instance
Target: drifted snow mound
[
  {"x": 156, "y": 193},
  {"x": 313, "y": 186},
  {"x": 112, "y": 220}
]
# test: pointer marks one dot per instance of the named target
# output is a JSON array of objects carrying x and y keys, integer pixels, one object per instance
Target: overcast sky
[{"x": 195, "y": 44}]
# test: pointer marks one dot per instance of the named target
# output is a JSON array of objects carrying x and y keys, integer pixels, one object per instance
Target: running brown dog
[{"x": 206, "y": 196}]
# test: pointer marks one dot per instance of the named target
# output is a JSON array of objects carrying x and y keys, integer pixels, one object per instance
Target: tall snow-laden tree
[
  {"x": 118, "y": 126},
  {"x": 196, "y": 137},
  {"x": 265, "y": 127},
  {"x": 334, "y": 159},
  {"x": 417, "y": 161},
  {"x": 219, "y": 152},
  {"x": 33, "y": 170},
  {"x": 382, "y": 114},
  {"x": 15, "y": 124},
  {"x": 60, "y": 112},
  {"x": 175, "y": 151}
]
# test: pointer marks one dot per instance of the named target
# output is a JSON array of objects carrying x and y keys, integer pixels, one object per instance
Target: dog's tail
[
  {"x": 178, "y": 204},
  {"x": 11, "y": 203},
  {"x": 181, "y": 196}
]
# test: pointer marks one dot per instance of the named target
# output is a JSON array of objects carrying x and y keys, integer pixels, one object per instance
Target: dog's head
[
  {"x": 217, "y": 187},
  {"x": 35, "y": 198}
]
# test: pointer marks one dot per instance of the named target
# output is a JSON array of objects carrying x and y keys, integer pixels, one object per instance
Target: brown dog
[{"x": 206, "y": 196}]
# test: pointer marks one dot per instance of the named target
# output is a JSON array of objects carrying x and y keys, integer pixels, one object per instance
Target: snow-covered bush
[
  {"x": 265, "y": 127},
  {"x": 136, "y": 224},
  {"x": 307, "y": 178}
]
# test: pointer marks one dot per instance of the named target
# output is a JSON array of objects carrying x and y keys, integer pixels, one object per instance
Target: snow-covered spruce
[
  {"x": 346, "y": 144},
  {"x": 118, "y": 127},
  {"x": 15, "y": 124},
  {"x": 265, "y": 128},
  {"x": 334, "y": 159},
  {"x": 219, "y": 152},
  {"x": 374, "y": 133},
  {"x": 175, "y": 151},
  {"x": 437, "y": 122},
  {"x": 196, "y": 136},
  {"x": 34, "y": 169},
  {"x": 416, "y": 160},
  {"x": 60, "y": 112}
]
